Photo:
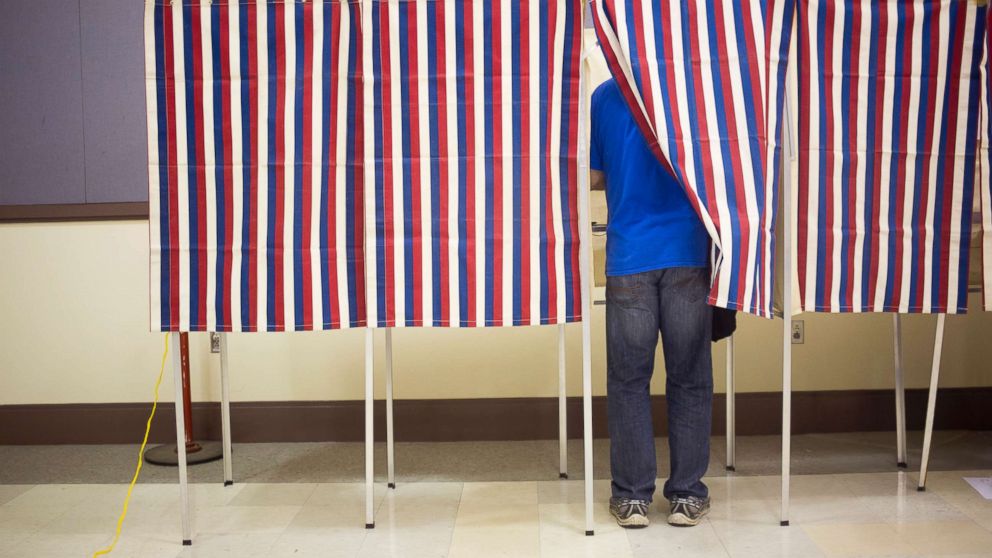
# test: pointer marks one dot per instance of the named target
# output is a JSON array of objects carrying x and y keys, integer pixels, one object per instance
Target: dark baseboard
[
  {"x": 73, "y": 212},
  {"x": 446, "y": 420}
]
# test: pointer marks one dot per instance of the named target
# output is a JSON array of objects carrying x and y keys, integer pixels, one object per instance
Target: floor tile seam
[{"x": 454, "y": 523}]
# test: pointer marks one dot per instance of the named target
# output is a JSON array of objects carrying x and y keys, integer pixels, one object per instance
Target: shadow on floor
[{"x": 862, "y": 452}]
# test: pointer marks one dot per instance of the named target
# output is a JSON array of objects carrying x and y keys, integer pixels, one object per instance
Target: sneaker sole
[
  {"x": 636, "y": 521},
  {"x": 682, "y": 520}
]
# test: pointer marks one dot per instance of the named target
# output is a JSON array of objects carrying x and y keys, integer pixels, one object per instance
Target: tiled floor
[
  {"x": 497, "y": 499},
  {"x": 862, "y": 514}
]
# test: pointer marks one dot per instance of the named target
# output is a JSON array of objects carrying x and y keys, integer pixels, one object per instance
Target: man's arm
[{"x": 597, "y": 180}]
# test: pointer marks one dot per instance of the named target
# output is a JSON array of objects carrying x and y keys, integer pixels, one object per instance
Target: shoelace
[
  {"x": 685, "y": 501},
  {"x": 640, "y": 505}
]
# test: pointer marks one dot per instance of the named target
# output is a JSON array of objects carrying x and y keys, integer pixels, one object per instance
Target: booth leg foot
[
  {"x": 901, "y": 465},
  {"x": 187, "y": 542},
  {"x": 784, "y": 523},
  {"x": 370, "y": 525},
  {"x": 731, "y": 468},
  {"x": 590, "y": 533},
  {"x": 228, "y": 483},
  {"x": 562, "y": 475},
  {"x": 392, "y": 485},
  {"x": 921, "y": 489}
]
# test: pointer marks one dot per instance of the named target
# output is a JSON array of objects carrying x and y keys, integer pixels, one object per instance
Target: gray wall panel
[
  {"x": 41, "y": 119},
  {"x": 114, "y": 100}
]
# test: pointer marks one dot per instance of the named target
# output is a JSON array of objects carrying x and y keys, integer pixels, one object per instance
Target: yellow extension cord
[{"x": 141, "y": 454}]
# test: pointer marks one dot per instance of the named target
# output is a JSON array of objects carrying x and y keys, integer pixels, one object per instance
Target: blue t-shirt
[{"x": 651, "y": 224}]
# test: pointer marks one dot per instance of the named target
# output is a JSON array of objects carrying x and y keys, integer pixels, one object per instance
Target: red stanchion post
[{"x": 196, "y": 452}]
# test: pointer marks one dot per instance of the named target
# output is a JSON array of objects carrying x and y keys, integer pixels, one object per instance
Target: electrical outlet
[
  {"x": 798, "y": 332},
  {"x": 214, "y": 342}
]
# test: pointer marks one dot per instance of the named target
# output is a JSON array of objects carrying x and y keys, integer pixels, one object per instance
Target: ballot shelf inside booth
[{"x": 598, "y": 216}]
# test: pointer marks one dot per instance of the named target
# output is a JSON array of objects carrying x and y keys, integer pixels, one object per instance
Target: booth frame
[
  {"x": 787, "y": 316},
  {"x": 586, "y": 285}
]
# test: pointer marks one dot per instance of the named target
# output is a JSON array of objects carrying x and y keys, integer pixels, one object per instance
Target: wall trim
[
  {"x": 476, "y": 419},
  {"x": 73, "y": 212}
]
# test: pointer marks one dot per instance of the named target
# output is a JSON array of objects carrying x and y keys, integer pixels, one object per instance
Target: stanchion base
[
  {"x": 921, "y": 489},
  {"x": 228, "y": 483},
  {"x": 562, "y": 475},
  {"x": 187, "y": 542},
  {"x": 370, "y": 525},
  {"x": 391, "y": 485},
  {"x": 901, "y": 465},
  {"x": 590, "y": 533},
  {"x": 784, "y": 523},
  {"x": 167, "y": 454},
  {"x": 731, "y": 468}
]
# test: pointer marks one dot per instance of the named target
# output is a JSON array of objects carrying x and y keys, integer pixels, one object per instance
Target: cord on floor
[{"x": 141, "y": 454}]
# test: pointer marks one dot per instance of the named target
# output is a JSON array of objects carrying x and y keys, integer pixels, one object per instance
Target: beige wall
[{"x": 74, "y": 315}]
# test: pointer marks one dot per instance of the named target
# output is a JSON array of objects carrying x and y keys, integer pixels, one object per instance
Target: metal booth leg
[
  {"x": 731, "y": 429},
  {"x": 225, "y": 411},
  {"x": 938, "y": 346},
  {"x": 900, "y": 394},
  {"x": 390, "y": 459},
  {"x": 369, "y": 441},
  {"x": 184, "y": 504},
  {"x": 562, "y": 410}
]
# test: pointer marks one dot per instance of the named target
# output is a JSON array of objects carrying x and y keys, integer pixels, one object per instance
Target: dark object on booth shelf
[{"x": 724, "y": 323}]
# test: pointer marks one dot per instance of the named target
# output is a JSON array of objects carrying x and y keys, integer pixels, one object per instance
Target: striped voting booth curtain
[
  {"x": 255, "y": 186},
  {"x": 705, "y": 80},
  {"x": 470, "y": 161},
  {"x": 985, "y": 184},
  {"x": 287, "y": 140},
  {"x": 888, "y": 127}
]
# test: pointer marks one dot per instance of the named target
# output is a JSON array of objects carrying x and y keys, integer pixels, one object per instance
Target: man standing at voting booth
[{"x": 658, "y": 279}]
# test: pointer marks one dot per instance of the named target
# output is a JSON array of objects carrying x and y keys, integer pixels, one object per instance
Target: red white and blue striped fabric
[
  {"x": 705, "y": 80},
  {"x": 471, "y": 161},
  {"x": 255, "y": 195},
  {"x": 985, "y": 184},
  {"x": 888, "y": 129}
]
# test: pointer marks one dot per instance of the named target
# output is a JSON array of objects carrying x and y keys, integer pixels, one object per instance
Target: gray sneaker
[
  {"x": 686, "y": 511},
  {"x": 630, "y": 513}
]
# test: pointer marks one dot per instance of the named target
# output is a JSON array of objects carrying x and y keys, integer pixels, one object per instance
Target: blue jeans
[{"x": 638, "y": 306}]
